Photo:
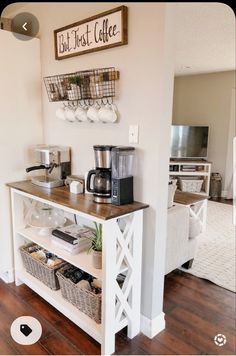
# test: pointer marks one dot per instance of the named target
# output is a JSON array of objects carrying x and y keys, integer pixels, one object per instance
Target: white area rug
[{"x": 215, "y": 258}]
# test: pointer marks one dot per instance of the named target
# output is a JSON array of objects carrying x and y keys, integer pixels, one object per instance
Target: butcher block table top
[
  {"x": 81, "y": 202},
  {"x": 188, "y": 198}
]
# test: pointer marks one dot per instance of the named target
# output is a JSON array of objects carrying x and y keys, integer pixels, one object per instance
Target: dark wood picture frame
[{"x": 124, "y": 32}]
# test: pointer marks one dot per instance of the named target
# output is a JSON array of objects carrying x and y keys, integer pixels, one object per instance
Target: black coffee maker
[{"x": 102, "y": 174}]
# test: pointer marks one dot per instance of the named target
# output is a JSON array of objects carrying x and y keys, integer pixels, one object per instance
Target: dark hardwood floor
[
  {"x": 222, "y": 200},
  {"x": 196, "y": 310}
]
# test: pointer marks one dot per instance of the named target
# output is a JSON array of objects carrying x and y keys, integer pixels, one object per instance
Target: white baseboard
[
  {"x": 152, "y": 327},
  {"x": 7, "y": 276}
]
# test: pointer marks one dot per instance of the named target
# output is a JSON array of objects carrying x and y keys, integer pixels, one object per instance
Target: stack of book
[{"x": 73, "y": 238}]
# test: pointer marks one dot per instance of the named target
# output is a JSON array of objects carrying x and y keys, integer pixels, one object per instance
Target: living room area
[
  {"x": 200, "y": 254},
  {"x": 202, "y": 151}
]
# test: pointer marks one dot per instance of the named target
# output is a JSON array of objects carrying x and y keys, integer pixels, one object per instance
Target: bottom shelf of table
[{"x": 57, "y": 301}]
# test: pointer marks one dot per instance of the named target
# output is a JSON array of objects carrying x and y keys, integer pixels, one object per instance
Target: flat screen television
[{"x": 189, "y": 142}]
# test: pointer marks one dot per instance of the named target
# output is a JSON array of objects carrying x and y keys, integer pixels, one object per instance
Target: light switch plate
[{"x": 133, "y": 133}]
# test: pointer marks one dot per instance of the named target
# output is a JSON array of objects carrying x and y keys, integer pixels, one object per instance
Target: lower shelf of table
[
  {"x": 83, "y": 260},
  {"x": 57, "y": 301}
]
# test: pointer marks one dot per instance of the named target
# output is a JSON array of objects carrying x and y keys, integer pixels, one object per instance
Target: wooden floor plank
[
  {"x": 6, "y": 348},
  {"x": 194, "y": 315},
  {"x": 207, "y": 308},
  {"x": 12, "y": 308},
  {"x": 22, "y": 291},
  {"x": 78, "y": 337},
  {"x": 35, "y": 349},
  {"x": 44, "y": 309},
  {"x": 202, "y": 286},
  {"x": 56, "y": 344},
  {"x": 206, "y": 329},
  {"x": 190, "y": 336},
  {"x": 154, "y": 346},
  {"x": 124, "y": 346},
  {"x": 175, "y": 344}
]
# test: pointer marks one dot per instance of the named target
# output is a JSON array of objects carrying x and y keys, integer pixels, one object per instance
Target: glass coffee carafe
[{"x": 101, "y": 184}]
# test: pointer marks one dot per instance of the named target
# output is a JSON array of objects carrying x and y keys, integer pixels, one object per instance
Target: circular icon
[
  {"x": 220, "y": 340},
  {"x": 26, "y": 330},
  {"x": 24, "y": 24}
]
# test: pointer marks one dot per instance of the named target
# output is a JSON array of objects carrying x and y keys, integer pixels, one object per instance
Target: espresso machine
[
  {"x": 101, "y": 188},
  {"x": 56, "y": 163},
  {"x": 122, "y": 175}
]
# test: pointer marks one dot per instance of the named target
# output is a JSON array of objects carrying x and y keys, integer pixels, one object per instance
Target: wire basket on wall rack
[{"x": 88, "y": 85}]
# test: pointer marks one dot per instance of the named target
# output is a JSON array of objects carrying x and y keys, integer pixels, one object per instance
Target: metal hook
[{"x": 98, "y": 103}]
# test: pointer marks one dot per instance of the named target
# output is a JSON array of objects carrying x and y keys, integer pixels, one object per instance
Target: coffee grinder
[
  {"x": 122, "y": 175},
  {"x": 101, "y": 188}
]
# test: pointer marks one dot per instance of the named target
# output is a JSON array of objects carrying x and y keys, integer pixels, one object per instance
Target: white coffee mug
[
  {"x": 76, "y": 187},
  {"x": 70, "y": 114},
  {"x": 92, "y": 113},
  {"x": 108, "y": 113},
  {"x": 60, "y": 113},
  {"x": 81, "y": 114}
]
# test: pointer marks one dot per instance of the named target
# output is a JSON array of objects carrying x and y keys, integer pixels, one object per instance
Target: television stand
[{"x": 195, "y": 169}]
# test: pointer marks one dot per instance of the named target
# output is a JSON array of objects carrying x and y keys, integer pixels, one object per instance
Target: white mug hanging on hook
[
  {"x": 60, "y": 113},
  {"x": 81, "y": 113},
  {"x": 93, "y": 111},
  {"x": 70, "y": 114},
  {"x": 108, "y": 113}
]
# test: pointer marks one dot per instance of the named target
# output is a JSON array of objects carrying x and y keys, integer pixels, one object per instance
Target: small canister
[
  {"x": 215, "y": 185},
  {"x": 75, "y": 178}
]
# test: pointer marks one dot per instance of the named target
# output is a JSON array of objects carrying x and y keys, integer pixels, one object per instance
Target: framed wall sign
[{"x": 106, "y": 30}]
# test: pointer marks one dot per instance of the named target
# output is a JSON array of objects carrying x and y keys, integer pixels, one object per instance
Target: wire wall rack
[{"x": 83, "y": 86}]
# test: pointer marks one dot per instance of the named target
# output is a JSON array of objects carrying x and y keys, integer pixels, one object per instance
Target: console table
[
  {"x": 196, "y": 203},
  {"x": 122, "y": 251}
]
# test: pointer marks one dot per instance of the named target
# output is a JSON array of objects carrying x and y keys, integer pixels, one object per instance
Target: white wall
[
  {"x": 20, "y": 123},
  {"x": 144, "y": 95},
  {"x": 205, "y": 99}
]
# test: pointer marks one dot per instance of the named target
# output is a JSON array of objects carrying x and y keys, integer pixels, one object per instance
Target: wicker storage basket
[
  {"x": 86, "y": 301},
  {"x": 191, "y": 185},
  {"x": 39, "y": 269}
]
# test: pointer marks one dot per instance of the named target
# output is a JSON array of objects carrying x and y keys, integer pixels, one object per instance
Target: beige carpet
[{"x": 215, "y": 258}]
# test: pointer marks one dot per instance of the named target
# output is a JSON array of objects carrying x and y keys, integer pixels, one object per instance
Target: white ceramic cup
[
  {"x": 70, "y": 114},
  {"x": 60, "y": 113},
  {"x": 81, "y": 114},
  {"x": 92, "y": 113},
  {"x": 108, "y": 113}
]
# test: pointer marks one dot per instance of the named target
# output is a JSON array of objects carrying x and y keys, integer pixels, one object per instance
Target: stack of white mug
[{"x": 95, "y": 113}]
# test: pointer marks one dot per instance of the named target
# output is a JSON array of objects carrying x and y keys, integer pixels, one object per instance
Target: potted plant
[
  {"x": 77, "y": 80},
  {"x": 96, "y": 246}
]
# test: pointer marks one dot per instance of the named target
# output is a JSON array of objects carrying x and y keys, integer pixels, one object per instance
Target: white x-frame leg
[
  {"x": 122, "y": 253},
  {"x": 198, "y": 210}
]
